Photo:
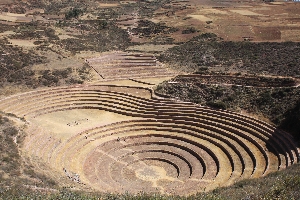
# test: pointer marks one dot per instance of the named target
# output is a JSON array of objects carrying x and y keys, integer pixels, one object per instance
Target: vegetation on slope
[
  {"x": 97, "y": 31},
  {"x": 15, "y": 62},
  {"x": 207, "y": 51},
  {"x": 208, "y": 54},
  {"x": 10, "y": 158},
  {"x": 15, "y": 173},
  {"x": 95, "y": 37},
  {"x": 16, "y": 69},
  {"x": 279, "y": 105}
]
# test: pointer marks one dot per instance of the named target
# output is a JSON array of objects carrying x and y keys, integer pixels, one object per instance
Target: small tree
[{"x": 73, "y": 13}]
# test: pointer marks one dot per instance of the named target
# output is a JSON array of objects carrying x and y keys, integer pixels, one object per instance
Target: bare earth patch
[
  {"x": 14, "y": 17},
  {"x": 23, "y": 43},
  {"x": 108, "y": 4},
  {"x": 214, "y": 11},
  {"x": 290, "y": 35},
  {"x": 150, "y": 47},
  {"x": 6, "y": 1},
  {"x": 7, "y": 33},
  {"x": 246, "y": 12},
  {"x": 200, "y": 17}
]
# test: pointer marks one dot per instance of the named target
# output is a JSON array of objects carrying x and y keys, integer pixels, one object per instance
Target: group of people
[{"x": 73, "y": 176}]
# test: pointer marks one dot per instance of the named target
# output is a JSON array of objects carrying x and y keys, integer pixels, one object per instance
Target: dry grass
[
  {"x": 200, "y": 17},
  {"x": 22, "y": 43},
  {"x": 150, "y": 48},
  {"x": 13, "y": 17},
  {"x": 246, "y": 12},
  {"x": 108, "y": 4}
]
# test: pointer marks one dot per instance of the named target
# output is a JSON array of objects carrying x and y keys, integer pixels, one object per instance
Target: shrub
[
  {"x": 217, "y": 104},
  {"x": 189, "y": 30},
  {"x": 11, "y": 131},
  {"x": 73, "y": 13}
]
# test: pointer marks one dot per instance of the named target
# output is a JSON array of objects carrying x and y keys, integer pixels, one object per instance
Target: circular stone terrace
[{"x": 119, "y": 136}]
